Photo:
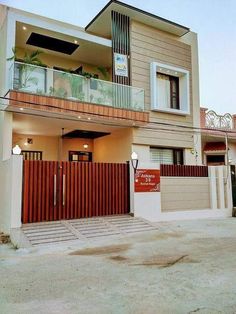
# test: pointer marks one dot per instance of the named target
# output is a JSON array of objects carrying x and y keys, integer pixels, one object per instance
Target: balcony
[{"x": 119, "y": 100}]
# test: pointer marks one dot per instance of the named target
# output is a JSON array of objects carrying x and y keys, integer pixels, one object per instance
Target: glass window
[{"x": 166, "y": 156}]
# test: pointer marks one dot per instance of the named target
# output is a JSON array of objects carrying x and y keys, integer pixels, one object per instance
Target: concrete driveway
[{"x": 182, "y": 267}]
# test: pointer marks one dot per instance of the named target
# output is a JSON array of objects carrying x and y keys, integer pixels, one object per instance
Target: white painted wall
[
  {"x": 10, "y": 193},
  {"x": 147, "y": 204}
]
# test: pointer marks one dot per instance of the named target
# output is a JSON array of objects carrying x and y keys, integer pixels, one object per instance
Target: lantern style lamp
[
  {"x": 134, "y": 161},
  {"x": 16, "y": 150}
]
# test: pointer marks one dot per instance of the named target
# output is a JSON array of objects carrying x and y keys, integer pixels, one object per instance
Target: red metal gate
[{"x": 69, "y": 190}]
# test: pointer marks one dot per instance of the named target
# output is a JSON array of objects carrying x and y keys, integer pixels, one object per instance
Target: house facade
[
  {"x": 219, "y": 142},
  {"x": 128, "y": 82},
  {"x": 82, "y": 66}
]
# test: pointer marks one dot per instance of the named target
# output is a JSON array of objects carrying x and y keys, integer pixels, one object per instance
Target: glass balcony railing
[{"x": 49, "y": 82}]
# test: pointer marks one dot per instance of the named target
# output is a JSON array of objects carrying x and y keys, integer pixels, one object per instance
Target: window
[
  {"x": 32, "y": 155},
  {"x": 169, "y": 89},
  {"x": 80, "y": 156},
  {"x": 167, "y": 156},
  {"x": 168, "y": 96}
]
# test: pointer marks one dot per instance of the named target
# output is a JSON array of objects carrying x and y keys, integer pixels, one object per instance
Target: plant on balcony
[{"x": 26, "y": 68}]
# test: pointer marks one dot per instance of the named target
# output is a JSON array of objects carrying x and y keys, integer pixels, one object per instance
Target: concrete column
[
  {"x": 228, "y": 188},
  {"x": 147, "y": 205},
  {"x": 212, "y": 183},
  {"x": 220, "y": 185},
  {"x": 16, "y": 190},
  {"x": 5, "y": 135}
]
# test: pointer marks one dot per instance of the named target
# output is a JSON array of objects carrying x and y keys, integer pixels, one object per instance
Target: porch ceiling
[
  {"x": 36, "y": 125},
  {"x": 88, "y": 52}
]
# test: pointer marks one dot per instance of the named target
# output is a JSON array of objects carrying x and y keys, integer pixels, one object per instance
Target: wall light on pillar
[
  {"x": 85, "y": 146},
  {"x": 134, "y": 161},
  {"x": 16, "y": 150}
]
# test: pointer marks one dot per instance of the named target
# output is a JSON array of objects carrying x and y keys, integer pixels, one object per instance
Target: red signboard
[{"x": 147, "y": 180}]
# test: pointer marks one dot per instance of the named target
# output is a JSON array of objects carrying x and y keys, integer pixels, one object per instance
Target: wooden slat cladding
[
  {"x": 120, "y": 42},
  {"x": 184, "y": 171},
  {"x": 150, "y": 45},
  {"x": 66, "y": 190},
  {"x": 74, "y": 108}
]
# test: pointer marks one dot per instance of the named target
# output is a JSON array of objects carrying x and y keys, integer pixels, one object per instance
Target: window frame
[
  {"x": 183, "y": 92},
  {"x": 175, "y": 152}
]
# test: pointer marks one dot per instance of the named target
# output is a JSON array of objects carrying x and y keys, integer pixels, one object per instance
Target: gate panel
[
  {"x": 94, "y": 189},
  {"x": 71, "y": 190},
  {"x": 39, "y": 191}
]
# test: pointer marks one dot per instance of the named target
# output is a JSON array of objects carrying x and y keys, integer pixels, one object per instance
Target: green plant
[{"x": 26, "y": 70}]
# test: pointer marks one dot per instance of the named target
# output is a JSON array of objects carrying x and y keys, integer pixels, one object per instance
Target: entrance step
[{"x": 84, "y": 229}]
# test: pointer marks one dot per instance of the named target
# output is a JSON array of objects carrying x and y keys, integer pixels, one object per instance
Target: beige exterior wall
[
  {"x": 115, "y": 147},
  {"x": 111, "y": 148},
  {"x": 49, "y": 145},
  {"x": 151, "y": 45},
  {"x": 52, "y": 146},
  {"x": 75, "y": 144},
  {"x": 183, "y": 193}
]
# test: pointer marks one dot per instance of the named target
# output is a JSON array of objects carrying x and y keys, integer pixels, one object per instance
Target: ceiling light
[
  {"x": 89, "y": 118},
  {"x": 25, "y": 143},
  {"x": 76, "y": 41},
  {"x": 79, "y": 117},
  {"x": 21, "y": 109},
  {"x": 24, "y": 28}
]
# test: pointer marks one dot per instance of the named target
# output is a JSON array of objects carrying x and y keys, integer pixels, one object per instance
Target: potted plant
[{"x": 23, "y": 72}]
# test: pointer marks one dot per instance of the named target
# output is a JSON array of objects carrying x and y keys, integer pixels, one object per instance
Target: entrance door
[{"x": 69, "y": 190}]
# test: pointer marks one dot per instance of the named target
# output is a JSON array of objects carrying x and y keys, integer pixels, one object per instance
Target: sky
[{"x": 213, "y": 20}]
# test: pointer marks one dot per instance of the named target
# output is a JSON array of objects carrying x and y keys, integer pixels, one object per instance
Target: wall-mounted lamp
[
  {"x": 16, "y": 150},
  {"x": 134, "y": 161},
  {"x": 85, "y": 146}
]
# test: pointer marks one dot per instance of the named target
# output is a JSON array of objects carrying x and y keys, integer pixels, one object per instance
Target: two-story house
[{"x": 127, "y": 82}]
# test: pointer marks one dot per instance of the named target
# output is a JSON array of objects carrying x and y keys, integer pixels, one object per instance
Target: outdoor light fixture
[
  {"x": 85, "y": 146},
  {"x": 16, "y": 150},
  {"x": 134, "y": 161}
]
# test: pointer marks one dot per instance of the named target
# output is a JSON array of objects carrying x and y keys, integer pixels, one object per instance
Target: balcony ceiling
[
  {"x": 48, "y": 126},
  {"x": 88, "y": 52}
]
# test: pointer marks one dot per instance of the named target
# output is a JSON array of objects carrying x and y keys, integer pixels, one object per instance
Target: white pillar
[
  {"x": 147, "y": 205},
  {"x": 228, "y": 188},
  {"x": 5, "y": 135},
  {"x": 212, "y": 182},
  {"x": 220, "y": 184},
  {"x": 16, "y": 190}
]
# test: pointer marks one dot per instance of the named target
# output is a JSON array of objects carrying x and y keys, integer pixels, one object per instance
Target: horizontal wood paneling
[
  {"x": 184, "y": 193},
  {"x": 151, "y": 45},
  {"x": 74, "y": 108}
]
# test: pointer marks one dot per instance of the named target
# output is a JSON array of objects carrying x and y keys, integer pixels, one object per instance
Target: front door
[{"x": 71, "y": 190}]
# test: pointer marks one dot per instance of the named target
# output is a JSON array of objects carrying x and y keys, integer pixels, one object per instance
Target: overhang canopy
[
  {"x": 101, "y": 24},
  {"x": 215, "y": 146}
]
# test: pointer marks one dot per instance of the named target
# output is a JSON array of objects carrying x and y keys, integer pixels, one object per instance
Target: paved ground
[
  {"x": 84, "y": 229},
  {"x": 182, "y": 267}
]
